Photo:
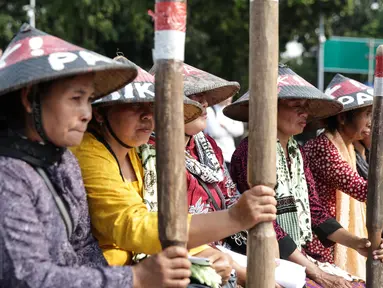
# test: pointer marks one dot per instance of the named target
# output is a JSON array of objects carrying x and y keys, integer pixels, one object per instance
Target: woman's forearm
[
  {"x": 345, "y": 238},
  {"x": 211, "y": 227},
  {"x": 255, "y": 206},
  {"x": 312, "y": 271}
]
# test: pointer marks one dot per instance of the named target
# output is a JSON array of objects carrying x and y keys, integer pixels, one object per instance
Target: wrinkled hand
[
  {"x": 331, "y": 281},
  {"x": 363, "y": 246},
  {"x": 222, "y": 263},
  {"x": 254, "y": 206},
  {"x": 170, "y": 268}
]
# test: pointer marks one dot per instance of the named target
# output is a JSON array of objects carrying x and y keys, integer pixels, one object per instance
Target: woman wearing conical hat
[
  {"x": 209, "y": 186},
  {"x": 46, "y": 90},
  {"x": 332, "y": 160},
  {"x": 118, "y": 168},
  {"x": 300, "y": 213}
]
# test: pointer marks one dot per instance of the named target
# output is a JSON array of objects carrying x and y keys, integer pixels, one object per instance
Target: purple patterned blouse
[{"x": 34, "y": 245}]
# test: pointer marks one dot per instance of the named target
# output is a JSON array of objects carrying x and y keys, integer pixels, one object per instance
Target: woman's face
[
  {"x": 359, "y": 127},
  {"x": 66, "y": 109},
  {"x": 132, "y": 123},
  {"x": 292, "y": 116},
  {"x": 199, "y": 124},
  {"x": 367, "y": 141}
]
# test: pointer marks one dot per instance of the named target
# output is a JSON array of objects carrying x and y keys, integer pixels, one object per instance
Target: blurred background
[{"x": 217, "y": 33}]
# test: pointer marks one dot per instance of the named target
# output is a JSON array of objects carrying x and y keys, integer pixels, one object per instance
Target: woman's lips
[
  {"x": 79, "y": 130},
  {"x": 302, "y": 123},
  {"x": 145, "y": 130},
  {"x": 366, "y": 132}
]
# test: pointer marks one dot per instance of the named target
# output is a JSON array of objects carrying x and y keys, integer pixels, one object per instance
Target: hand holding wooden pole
[
  {"x": 170, "y": 26},
  {"x": 263, "y": 66},
  {"x": 375, "y": 179}
]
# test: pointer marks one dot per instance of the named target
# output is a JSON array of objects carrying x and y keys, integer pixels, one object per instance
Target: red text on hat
[{"x": 291, "y": 80}]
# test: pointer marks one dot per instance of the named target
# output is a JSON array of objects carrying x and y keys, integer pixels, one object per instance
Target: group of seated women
[{"x": 87, "y": 216}]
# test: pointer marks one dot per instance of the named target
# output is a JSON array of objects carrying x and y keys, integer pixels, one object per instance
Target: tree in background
[
  {"x": 352, "y": 18},
  {"x": 217, "y": 35}
]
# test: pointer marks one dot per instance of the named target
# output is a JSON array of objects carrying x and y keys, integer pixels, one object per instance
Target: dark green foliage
[{"x": 217, "y": 31}]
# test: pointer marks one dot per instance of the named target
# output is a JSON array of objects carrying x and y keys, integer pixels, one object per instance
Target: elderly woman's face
[
  {"x": 292, "y": 116},
  {"x": 132, "y": 123},
  {"x": 66, "y": 110},
  {"x": 200, "y": 123},
  {"x": 359, "y": 127}
]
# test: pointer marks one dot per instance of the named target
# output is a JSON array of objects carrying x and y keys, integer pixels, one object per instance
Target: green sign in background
[{"x": 349, "y": 55}]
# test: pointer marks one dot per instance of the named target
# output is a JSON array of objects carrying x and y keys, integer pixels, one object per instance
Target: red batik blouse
[{"x": 331, "y": 173}]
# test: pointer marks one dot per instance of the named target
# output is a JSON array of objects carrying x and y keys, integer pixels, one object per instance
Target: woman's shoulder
[
  {"x": 15, "y": 169},
  {"x": 18, "y": 178},
  {"x": 91, "y": 148},
  {"x": 89, "y": 143},
  {"x": 95, "y": 159},
  {"x": 319, "y": 144},
  {"x": 69, "y": 166}
]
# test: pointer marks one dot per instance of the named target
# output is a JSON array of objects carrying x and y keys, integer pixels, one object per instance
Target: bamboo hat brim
[
  {"x": 290, "y": 86},
  {"x": 34, "y": 57},
  {"x": 141, "y": 90},
  {"x": 215, "y": 89}
]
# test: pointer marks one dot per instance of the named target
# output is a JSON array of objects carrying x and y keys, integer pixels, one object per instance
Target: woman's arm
[
  {"x": 321, "y": 221},
  {"x": 315, "y": 273},
  {"x": 327, "y": 165},
  {"x": 118, "y": 212},
  {"x": 254, "y": 206}
]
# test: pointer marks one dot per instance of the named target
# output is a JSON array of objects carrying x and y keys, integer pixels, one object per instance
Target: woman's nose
[
  {"x": 147, "y": 113},
  {"x": 86, "y": 112},
  {"x": 147, "y": 116},
  {"x": 305, "y": 114}
]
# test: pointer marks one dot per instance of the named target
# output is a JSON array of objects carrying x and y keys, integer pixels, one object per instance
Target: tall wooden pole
[
  {"x": 263, "y": 66},
  {"x": 375, "y": 179},
  {"x": 170, "y": 26}
]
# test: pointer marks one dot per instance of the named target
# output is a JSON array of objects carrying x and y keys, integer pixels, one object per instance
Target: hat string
[
  {"x": 37, "y": 115},
  {"x": 107, "y": 124}
]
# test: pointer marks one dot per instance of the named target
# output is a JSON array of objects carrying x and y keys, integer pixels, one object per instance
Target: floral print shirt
[{"x": 321, "y": 222}]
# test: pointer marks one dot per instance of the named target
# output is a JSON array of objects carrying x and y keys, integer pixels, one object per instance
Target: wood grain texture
[
  {"x": 263, "y": 68},
  {"x": 374, "y": 268},
  {"x": 170, "y": 145}
]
